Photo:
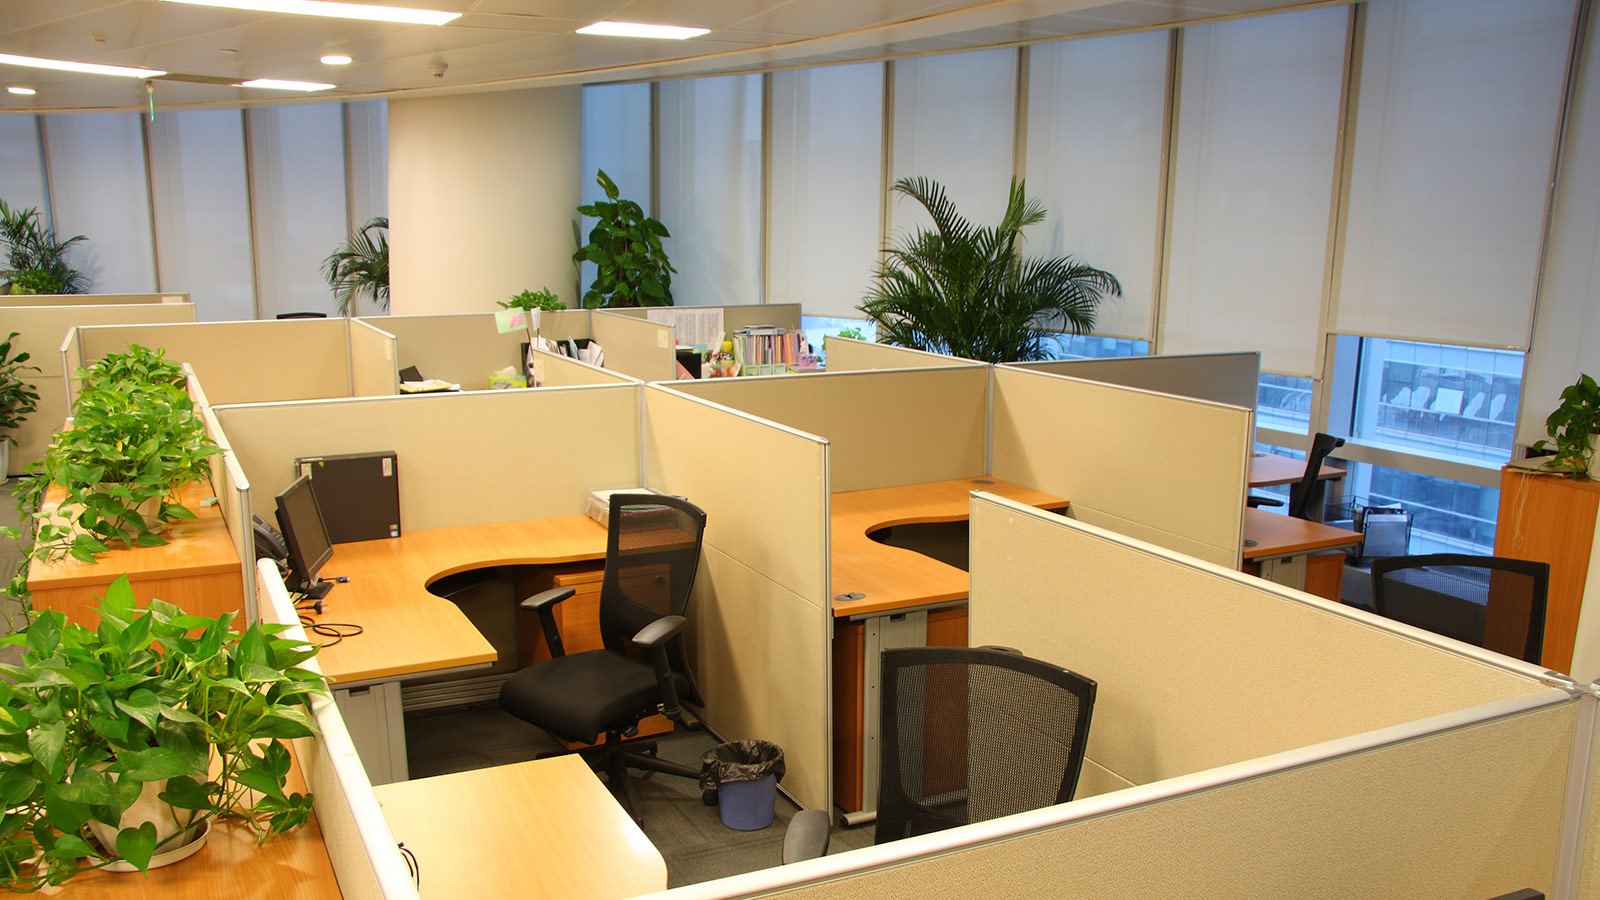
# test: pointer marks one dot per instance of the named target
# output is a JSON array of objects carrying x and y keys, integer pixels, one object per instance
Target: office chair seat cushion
[{"x": 581, "y": 696}]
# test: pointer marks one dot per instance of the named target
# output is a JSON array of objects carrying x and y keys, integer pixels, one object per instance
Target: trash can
[{"x": 744, "y": 775}]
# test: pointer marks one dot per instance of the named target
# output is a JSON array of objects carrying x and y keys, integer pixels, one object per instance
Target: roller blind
[
  {"x": 1258, "y": 123},
  {"x": 954, "y": 119},
  {"x": 1096, "y": 115},
  {"x": 1454, "y": 133},
  {"x": 710, "y": 170},
  {"x": 616, "y": 139},
  {"x": 298, "y": 183},
  {"x": 367, "y": 130},
  {"x": 827, "y": 169},
  {"x": 21, "y": 166},
  {"x": 98, "y": 189},
  {"x": 202, "y": 210}
]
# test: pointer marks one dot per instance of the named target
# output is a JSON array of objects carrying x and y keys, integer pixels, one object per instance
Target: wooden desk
[
  {"x": 897, "y": 586},
  {"x": 1270, "y": 469},
  {"x": 197, "y": 569},
  {"x": 546, "y": 828},
  {"x": 1282, "y": 543}
]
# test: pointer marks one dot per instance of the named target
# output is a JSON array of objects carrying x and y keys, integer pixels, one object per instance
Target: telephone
[{"x": 269, "y": 542}]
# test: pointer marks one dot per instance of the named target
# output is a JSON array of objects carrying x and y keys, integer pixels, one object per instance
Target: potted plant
[
  {"x": 361, "y": 266},
  {"x": 631, "y": 267},
  {"x": 967, "y": 291},
  {"x": 543, "y": 299},
  {"x": 17, "y": 398},
  {"x": 36, "y": 263},
  {"x": 119, "y": 745},
  {"x": 1573, "y": 427}
]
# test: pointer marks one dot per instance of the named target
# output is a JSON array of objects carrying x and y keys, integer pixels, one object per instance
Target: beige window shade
[
  {"x": 1257, "y": 133},
  {"x": 710, "y": 170},
  {"x": 98, "y": 189},
  {"x": 202, "y": 210},
  {"x": 1454, "y": 133},
  {"x": 21, "y": 167},
  {"x": 827, "y": 169},
  {"x": 1096, "y": 113},
  {"x": 616, "y": 139},
  {"x": 298, "y": 181}
]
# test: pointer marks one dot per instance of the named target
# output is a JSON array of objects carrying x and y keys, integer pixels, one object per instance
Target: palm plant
[
  {"x": 36, "y": 263},
  {"x": 967, "y": 291},
  {"x": 361, "y": 266}
]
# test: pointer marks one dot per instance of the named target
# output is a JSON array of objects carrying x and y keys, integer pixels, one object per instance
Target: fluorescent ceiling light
[
  {"x": 277, "y": 85},
  {"x": 365, "y": 11},
  {"x": 636, "y": 29},
  {"x": 67, "y": 65},
  {"x": 26, "y": 92},
  {"x": 336, "y": 59}
]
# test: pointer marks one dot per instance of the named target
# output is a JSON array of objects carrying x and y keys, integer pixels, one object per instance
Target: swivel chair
[
  {"x": 1305, "y": 493},
  {"x": 652, "y": 552},
  {"x": 1491, "y": 601},
  {"x": 967, "y": 734}
]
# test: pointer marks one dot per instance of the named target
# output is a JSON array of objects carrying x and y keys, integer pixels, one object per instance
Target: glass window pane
[
  {"x": 1438, "y": 400},
  {"x": 1446, "y": 516},
  {"x": 21, "y": 165},
  {"x": 367, "y": 123},
  {"x": 1283, "y": 402},
  {"x": 202, "y": 211},
  {"x": 1089, "y": 346},
  {"x": 819, "y": 328},
  {"x": 827, "y": 169},
  {"x": 1276, "y": 491},
  {"x": 298, "y": 178},
  {"x": 97, "y": 178},
  {"x": 710, "y": 172}
]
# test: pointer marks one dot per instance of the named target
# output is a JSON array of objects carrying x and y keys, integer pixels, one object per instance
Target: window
[
  {"x": 818, "y": 328},
  {"x": 1446, "y": 516},
  {"x": 1280, "y": 491},
  {"x": 1283, "y": 403},
  {"x": 1088, "y": 346}
]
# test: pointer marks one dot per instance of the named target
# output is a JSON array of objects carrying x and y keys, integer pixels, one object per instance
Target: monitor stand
[{"x": 317, "y": 589}]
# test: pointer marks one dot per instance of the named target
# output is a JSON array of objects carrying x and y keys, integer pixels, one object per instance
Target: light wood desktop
[
  {"x": 546, "y": 828},
  {"x": 1270, "y": 468},
  {"x": 197, "y": 569},
  {"x": 1280, "y": 545}
]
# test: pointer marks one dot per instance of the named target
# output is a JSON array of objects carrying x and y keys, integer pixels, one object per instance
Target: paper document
[{"x": 691, "y": 327}]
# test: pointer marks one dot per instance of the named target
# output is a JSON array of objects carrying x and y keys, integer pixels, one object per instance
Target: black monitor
[{"x": 300, "y": 519}]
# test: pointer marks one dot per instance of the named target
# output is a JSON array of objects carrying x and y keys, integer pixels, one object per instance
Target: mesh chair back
[
  {"x": 1491, "y": 601},
  {"x": 652, "y": 553},
  {"x": 970, "y": 734},
  {"x": 1301, "y": 492}
]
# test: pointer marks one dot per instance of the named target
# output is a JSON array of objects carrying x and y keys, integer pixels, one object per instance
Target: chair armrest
[
  {"x": 653, "y": 638},
  {"x": 807, "y": 836},
  {"x": 544, "y": 603},
  {"x": 1254, "y": 500}
]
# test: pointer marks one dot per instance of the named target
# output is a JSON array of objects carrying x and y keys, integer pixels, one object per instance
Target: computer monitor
[{"x": 304, "y": 531}]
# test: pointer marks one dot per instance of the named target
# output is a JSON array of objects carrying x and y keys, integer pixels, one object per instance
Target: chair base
[{"x": 615, "y": 757}]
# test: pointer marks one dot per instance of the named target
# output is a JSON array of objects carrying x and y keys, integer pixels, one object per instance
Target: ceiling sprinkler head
[{"x": 438, "y": 67}]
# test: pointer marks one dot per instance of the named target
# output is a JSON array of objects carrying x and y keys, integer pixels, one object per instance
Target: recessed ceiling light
[
  {"x": 404, "y": 15},
  {"x": 67, "y": 65},
  {"x": 640, "y": 30},
  {"x": 278, "y": 85},
  {"x": 336, "y": 59},
  {"x": 26, "y": 92}
]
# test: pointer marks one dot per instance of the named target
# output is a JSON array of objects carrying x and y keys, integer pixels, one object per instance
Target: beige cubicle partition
[
  {"x": 1583, "y": 841},
  {"x": 41, "y": 330},
  {"x": 847, "y": 355},
  {"x": 1231, "y": 378},
  {"x": 561, "y": 325},
  {"x": 886, "y": 428},
  {"x": 232, "y": 491},
  {"x": 1169, "y": 470},
  {"x": 635, "y": 347},
  {"x": 760, "y": 623},
  {"x": 555, "y": 370},
  {"x": 372, "y": 361},
  {"x": 462, "y": 348},
  {"x": 9, "y": 301}
]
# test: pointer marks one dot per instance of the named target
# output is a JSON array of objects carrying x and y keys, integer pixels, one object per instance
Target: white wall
[{"x": 483, "y": 194}]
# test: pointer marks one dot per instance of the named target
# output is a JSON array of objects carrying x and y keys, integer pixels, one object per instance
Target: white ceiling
[{"x": 508, "y": 43}]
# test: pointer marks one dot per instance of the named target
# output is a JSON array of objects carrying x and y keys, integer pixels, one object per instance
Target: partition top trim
[{"x": 668, "y": 386}]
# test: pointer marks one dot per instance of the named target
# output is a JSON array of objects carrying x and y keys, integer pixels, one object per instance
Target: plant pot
[
  {"x": 150, "y": 512},
  {"x": 168, "y": 822}
]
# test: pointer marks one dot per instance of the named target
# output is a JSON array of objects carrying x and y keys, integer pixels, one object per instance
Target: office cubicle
[
  {"x": 1231, "y": 378},
  {"x": 11, "y": 301},
  {"x": 849, "y": 355},
  {"x": 40, "y": 333}
]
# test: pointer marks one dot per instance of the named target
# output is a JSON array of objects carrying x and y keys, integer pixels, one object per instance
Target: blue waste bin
[{"x": 741, "y": 777}]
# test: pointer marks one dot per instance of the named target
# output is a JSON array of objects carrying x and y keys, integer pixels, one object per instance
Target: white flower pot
[{"x": 168, "y": 822}]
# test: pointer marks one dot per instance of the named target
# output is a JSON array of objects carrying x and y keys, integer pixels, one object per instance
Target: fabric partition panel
[
  {"x": 1199, "y": 666},
  {"x": 886, "y": 428},
  {"x": 782, "y": 315},
  {"x": 360, "y": 845},
  {"x": 373, "y": 372},
  {"x": 8, "y": 301},
  {"x": 847, "y": 355},
  {"x": 760, "y": 621},
  {"x": 634, "y": 347},
  {"x": 232, "y": 491},
  {"x": 462, "y": 458},
  {"x": 461, "y": 349},
  {"x": 42, "y": 333},
  {"x": 245, "y": 362},
  {"x": 1231, "y": 378},
  {"x": 555, "y": 370},
  {"x": 1184, "y": 491},
  {"x": 1587, "y": 835},
  {"x": 566, "y": 324}
]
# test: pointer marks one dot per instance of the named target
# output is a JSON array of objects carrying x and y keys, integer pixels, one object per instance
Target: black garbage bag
[{"x": 738, "y": 761}]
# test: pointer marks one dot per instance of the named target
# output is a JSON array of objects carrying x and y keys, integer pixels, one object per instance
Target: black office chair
[
  {"x": 967, "y": 734},
  {"x": 1303, "y": 493},
  {"x": 652, "y": 552},
  {"x": 1491, "y": 601}
]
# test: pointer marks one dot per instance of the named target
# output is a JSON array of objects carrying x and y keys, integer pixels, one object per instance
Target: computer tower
[{"x": 359, "y": 494}]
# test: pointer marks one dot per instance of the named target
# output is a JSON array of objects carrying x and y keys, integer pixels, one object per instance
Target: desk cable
[
  {"x": 338, "y": 631},
  {"x": 412, "y": 866}
]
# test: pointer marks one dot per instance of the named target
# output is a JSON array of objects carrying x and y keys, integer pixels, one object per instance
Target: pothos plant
[
  {"x": 542, "y": 299},
  {"x": 1573, "y": 426},
  {"x": 151, "y": 695},
  {"x": 17, "y": 397},
  {"x": 631, "y": 267}
]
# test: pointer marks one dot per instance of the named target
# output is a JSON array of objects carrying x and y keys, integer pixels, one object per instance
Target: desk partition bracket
[{"x": 884, "y": 631}]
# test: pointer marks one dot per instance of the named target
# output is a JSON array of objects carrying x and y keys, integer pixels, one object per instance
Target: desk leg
[
  {"x": 1285, "y": 570},
  {"x": 882, "y": 633},
  {"x": 377, "y": 727}
]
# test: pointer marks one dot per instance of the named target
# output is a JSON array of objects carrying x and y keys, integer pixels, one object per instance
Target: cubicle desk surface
[
  {"x": 1279, "y": 535},
  {"x": 1270, "y": 469},
  {"x": 892, "y": 578},
  {"x": 406, "y": 629},
  {"x": 536, "y": 829},
  {"x": 197, "y": 569}
]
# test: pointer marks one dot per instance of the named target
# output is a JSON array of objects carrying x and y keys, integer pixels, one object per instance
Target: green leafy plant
[
  {"x": 361, "y": 267},
  {"x": 36, "y": 263},
  {"x": 17, "y": 397},
  {"x": 93, "y": 716},
  {"x": 853, "y": 333},
  {"x": 140, "y": 365},
  {"x": 631, "y": 267},
  {"x": 966, "y": 290},
  {"x": 544, "y": 299},
  {"x": 1573, "y": 426}
]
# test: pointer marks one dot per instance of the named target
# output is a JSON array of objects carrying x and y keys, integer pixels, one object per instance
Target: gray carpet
[{"x": 690, "y": 835}]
